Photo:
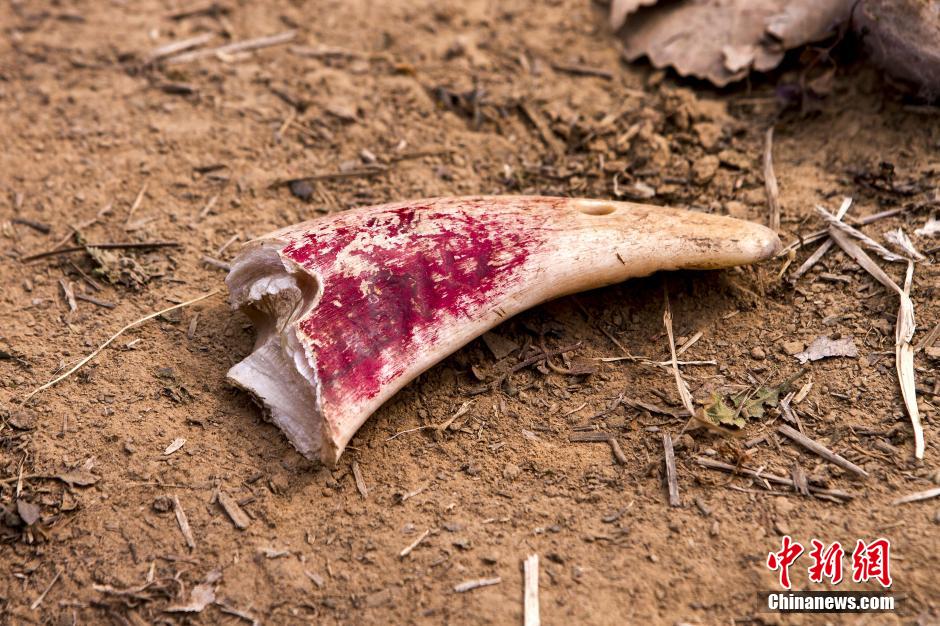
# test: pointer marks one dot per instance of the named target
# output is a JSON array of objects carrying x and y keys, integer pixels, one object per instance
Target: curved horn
[{"x": 351, "y": 307}]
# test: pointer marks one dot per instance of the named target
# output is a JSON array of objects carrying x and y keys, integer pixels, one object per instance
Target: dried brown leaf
[
  {"x": 201, "y": 596},
  {"x": 621, "y": 9},
  {"x": 28, "y": 512},
  {"x": 78, "y": 478},
  {"x": 721, "y": 40},
  {"x": 826, "y": 347}
]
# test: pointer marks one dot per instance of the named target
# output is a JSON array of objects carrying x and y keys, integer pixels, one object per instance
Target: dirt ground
[{"x": 390, "y": 101}]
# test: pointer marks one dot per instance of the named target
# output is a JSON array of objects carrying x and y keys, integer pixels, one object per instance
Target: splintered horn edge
[{"x": 352, "y": 306}]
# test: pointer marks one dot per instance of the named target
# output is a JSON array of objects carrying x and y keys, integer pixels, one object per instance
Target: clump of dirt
[{"x": 182, "y": 504}]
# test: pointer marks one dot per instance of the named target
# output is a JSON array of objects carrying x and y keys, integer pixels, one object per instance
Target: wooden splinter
[{"x": 352, "y": 306}]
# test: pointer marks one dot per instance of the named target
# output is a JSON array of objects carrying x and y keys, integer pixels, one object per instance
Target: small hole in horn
[{"x": 589, "y": 207}]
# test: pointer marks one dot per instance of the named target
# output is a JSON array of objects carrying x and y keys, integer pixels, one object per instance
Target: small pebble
[
  {"x": 162, "y": 504},
  {"x": 511, "y": 471},
  {"x": 301, "y": 189}
]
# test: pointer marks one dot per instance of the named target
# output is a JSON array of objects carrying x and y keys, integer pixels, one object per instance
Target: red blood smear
[{"x": 424, "y": 266}]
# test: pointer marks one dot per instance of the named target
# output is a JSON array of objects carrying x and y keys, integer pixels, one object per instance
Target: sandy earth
[{"x": 473, "y": 97}]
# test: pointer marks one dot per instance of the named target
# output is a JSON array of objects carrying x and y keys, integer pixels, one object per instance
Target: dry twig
[
  {"x": 41, "y": 227},
  {"x": 178, "y": 46},
  {"x": 821, "y": 251},
  {"x": 362, "y": 172},
  {"x": 97, "y": 350},
  {"x": 233, "y": 510},
  {"x": 183, "y": 522},
  {"x": 680, "y": 382},
  {"x": 617, "y": 450},
  {"x": 531, "y": 591},
  {"x": 414, "y": 544},
  {"x": 95, "y": 301},
  {"x": 470, "y": 585},
  {"x": 671, "y": 479},
  {"x": 360, "y": 481},
  {"x": 917, "y": 496},
  {"x": 821, "y": 450},
  {"x": 780, "y": 480},
  {"x": 234, "y": 48},
  {"x": 770, "y": 182},
  {"x": 42, "y": 596},
  {"x": 69, "y": 294},
  {"x": 130, "y": 245},
  {"x": 136, "y": 204},
  {"x": 578, "y": 69},
  {"x": 222, "y": 265}
]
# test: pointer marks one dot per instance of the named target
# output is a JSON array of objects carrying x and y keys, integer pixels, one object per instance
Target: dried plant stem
[
  {"x": 904, "y": 330},
  {"x": 97, "y": 350},
  {"x": 904, "y": 360},
  {"x": 821, "y": 450},
  {"x": 773, "y": 478},
  {"x": 531, "y": 591},
  {"x": 770, "y": 182},
  {"x": 825, "y": 246},
  {"x": 45, "y": 592},
  {"x": 178, "y": 46},
  {"x": 680, "y": 382},
  {"x": 234, "y": 48},
  {"x": 819, "y": 235},
  {"x": 836, "y": 224},
  {"x": 918, "y": 496},
  {"x": 672, "y": 480},
  {"x": 130, "y": 245}
]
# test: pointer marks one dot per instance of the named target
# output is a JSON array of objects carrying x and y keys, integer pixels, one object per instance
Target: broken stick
[
  {"x": 233, "y": 510},
  {"x": 183, "y": 522},
  {"x": 233, "y": 48},
  {"x": 821, "y": 450},
  {"x": 771, "y": 478},
  {"x": 531, "y": 591},
  {"x": 671, "y": 478},
  {"x": 770, "y": 182},
  {"x": 414, "y": 544},
  {"x": 470, "y": 585},
  {"x": 917, "y": 496}
]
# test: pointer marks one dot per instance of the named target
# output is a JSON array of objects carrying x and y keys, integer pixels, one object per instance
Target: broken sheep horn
[{"x": 352, "y": 306}]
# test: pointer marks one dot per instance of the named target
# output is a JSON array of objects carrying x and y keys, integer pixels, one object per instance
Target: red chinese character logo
[
  {"x": 789, "y": 552},
  {"x": 826, "y": 563},
  {"x": 872, "y": 561}
]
